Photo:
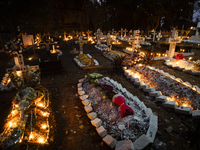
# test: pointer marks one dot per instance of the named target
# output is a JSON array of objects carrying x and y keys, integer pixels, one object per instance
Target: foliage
[{"x": 117, "y": 64}]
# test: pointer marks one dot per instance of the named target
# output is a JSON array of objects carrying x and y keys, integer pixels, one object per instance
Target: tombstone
[
  {"x": 125, "y": 32},
  {"x": 133, "y": 40},
  {"x": 113, "y": 32},
  {"x": 109, "y": 41},
  {"x": 173, "y": 40},
  {"x": 27, "y": 40},
  {"x": 98, "y": 34},
  {"x": 159, "y": 36},
  {"x": 81, "y": 42}
]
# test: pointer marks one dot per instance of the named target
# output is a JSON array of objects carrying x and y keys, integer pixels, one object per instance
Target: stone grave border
[
  {"x": 81, "y": 65},
  {"x": 162, "y": 98},
  {"x": 189, "y": 71},
  {"x": 102, "y": 47},
  {"x": 139, "y": 143}
]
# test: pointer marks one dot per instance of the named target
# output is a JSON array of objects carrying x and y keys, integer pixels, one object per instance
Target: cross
[
  {"x": 108, "y": 41},
  {"x": 21, "y": 66},
  {"x": 121, "y": 31},
  {"x": 88, "y": 33},
  {"x": 125, "y": 32},
  {"x": 64, "y": 38},
  {"x": 173, "y": 42},
  {"x": 92, "y": 66},
  {"x": 81, "y": 42},
  {"x": 154, "y": 34},
  {"x": 159, "y": 36},
  {"x": 98, "y": 34}
]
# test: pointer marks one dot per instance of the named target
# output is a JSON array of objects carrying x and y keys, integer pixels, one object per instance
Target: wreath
[
  {"x": 81, "y": 42},
  {"x": 14, "y": 47}
]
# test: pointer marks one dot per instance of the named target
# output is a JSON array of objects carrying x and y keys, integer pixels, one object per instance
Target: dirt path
[{"x": 69, "y": 114}]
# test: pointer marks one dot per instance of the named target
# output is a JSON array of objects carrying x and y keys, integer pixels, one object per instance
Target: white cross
[
  {"x": 154, "y": 34},
  {"x": 98, "y": 34},
  {"x": 173, "y": 42}
]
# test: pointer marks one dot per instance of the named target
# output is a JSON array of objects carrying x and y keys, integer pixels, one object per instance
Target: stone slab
[
  {"x": 92, "y": 115},
  {"x": 184, "y": 110},
  {"x": 149, "y": 90},
  {"x": 81, "y": 92},
  {"x": 124, "y": 145},
  {"x": 83, "y": 97},
  {"x": 196, "y": 114},
  {"x": 86, "y": 102},
  {"x": 96, "y": 122},
  {"x": 101, "y": 131},
  {"x": 88, "y": 108},
  {"x": 141, "y": 142},
  {"x": 170, "y": 104},
  {"x": 155, "y": 93},
  {"x": 80, "y": 88},
  {"x": 151, "y": 132},
  {"x": 110, "y": 141},
  {"x": 148, "y": 112},
  {"x": 79, "y": 85},
  {"x": 161, "y": 98},
  {"x": 188, "y": 70},
  {"x": 153, "y": 119}
]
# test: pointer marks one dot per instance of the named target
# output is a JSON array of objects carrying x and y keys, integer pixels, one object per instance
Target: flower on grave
[{"x": 14, "y": 47}]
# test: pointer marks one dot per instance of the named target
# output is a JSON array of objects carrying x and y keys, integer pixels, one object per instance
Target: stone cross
[
  {"x": 98, "y": 34},
  {"x": 81, "y": 42},
  {"x": 159, "y": 36},
  {"x": 154, "y": 34},
  {"x": 108, "y": 41},
  {"x": 125, "y": 32},
  {"x": 173, "y": 40}
]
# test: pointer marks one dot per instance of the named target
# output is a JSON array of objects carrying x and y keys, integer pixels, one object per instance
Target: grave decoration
[
  {"x": 84, "y": 60},
  {"x": 6, "y": 84},
  {"x": 192, "y": 67},
  {"x": 37, "y": 40},
  {"x": 176, "y": 94},
  {"x": 14, "y": 47},
  {"x": 27, "y": 40},
  {"x": 117, "y": 115},
  {"x": 98, "y": 36},
  {"x": 116, "y": 42},
  {"x": 28, "y": 121},
  {"x": 109, "y": 45},
  {"x": 113, "y": 54},
  {"x": 101, "y": 47}
]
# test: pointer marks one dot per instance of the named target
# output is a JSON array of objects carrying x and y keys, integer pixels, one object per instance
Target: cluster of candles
[
  {"x": 31, "y": 121},
  {"x": 176, "y": 90}
]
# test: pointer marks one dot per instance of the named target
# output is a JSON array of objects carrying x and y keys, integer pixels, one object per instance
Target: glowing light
[
  {"x": 19, "y": 73},
  {"x": 44, "y": 126},
  {"x": 191, "y": 27},
  {"x": 40, "y": 105},
  {"x": 30, "y": 58},
  {"x": 41, "y": 140},
  {"x": 190, "y": 58},
  {"x": 10, "y": 124}
]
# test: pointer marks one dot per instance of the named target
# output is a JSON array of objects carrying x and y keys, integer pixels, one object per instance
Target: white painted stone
[
  {"x": 110, "y": 141},
  {"x": 137, "y": 83},
  {"x": 148, "y": 112},
  {"x": 124, "y": 145},
  {"x": 175, "y": 67},
  {"x": 149, "y": 90},
  {"x": 101, "y": 131},
  {"x": 169, "y": 65},
  {"x": 142, "y": 105},
  {"x": 88, "y": 108},
  {"x": 79, "y": 85},
  {"x": 112, "y": 81},
  {"x": 195, "y": 72},
  {"x": 141, "y": 142},
  {"x": 144, "y": 87},
  {"x": 151, "y": 132},
  {"x": 96, "y": 122},
  {"x": 173, "y": 77},
  {"x": 81, "y": 92},
  {"x": 196, "y": 114},
  {"x": 83, "y": 97},
  {"x": 119, "y": 86},
  {"x": 80, "y": 80},
  {"x": 92, "y": 115},
  {"x": 107, "y": 78},
  {"x": 153, "y": 119},
  {"x": 170, "y": 104},
  {"x": 188, "y": 70},
  {"x": 184, "y": 110},
  {"x": 161, "y": 98},
  {"x": 86, "y": 102},
  {"x": 165, "y": 63},
  {"x": 167, "y": 74},
  {"x": 136, "y": 79},
  {"x": 132, "y": 79},
  {"x": 155, "y": 93},
  {"x": 80, "y": 88},
  {"x": 180, "y": 68}
]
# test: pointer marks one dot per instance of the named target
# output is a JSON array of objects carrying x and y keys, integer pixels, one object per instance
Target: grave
[
  {"x": 27, "y": 40},
  {"x": 98, "y": 35}
]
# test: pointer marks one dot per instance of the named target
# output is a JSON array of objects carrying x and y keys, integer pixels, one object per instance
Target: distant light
[{"x": 191, "y": 27}]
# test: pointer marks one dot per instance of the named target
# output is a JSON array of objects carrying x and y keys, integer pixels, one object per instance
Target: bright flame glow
[
  {"x": 44, "y": 126},
  {"x": 41, "y": 140},
  {"x": 30, "y": 58}
]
